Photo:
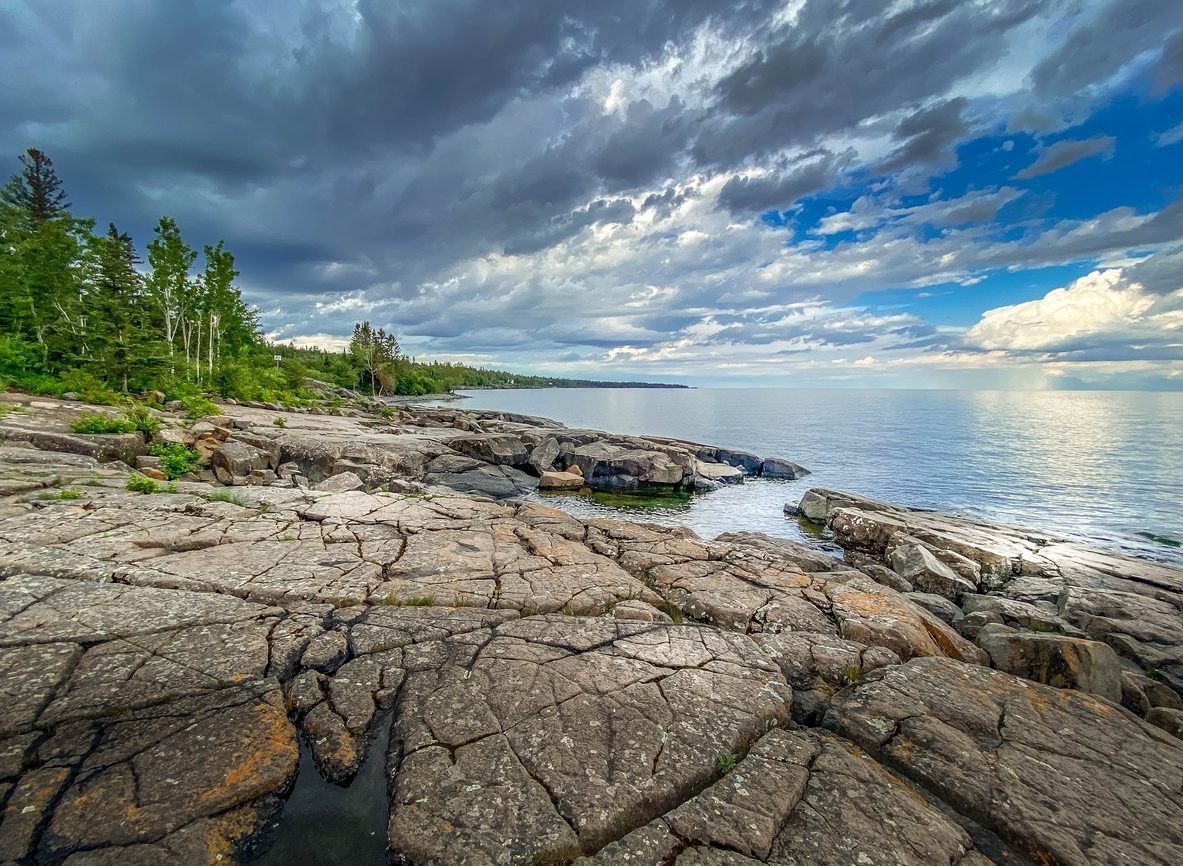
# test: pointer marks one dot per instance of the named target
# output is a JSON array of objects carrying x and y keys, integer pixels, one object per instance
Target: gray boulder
[
  {"x": 917, "y": 565},
  {"x": 745, "y": 461},
  {"x": 776, "y": 467},
  {"x": 615, "y": 467},
  {"x": 1055, "y": 660},
  {"x": 500, "y": 449},
  {"x": 340, "y": 483},
  {"x": 1169, "y": 720},
  {"x": 937, "y": 605},
  {"x": 238, "y": 459},
  {"x": 818, "y": 503},
  {"x": 884, "y": 575}
]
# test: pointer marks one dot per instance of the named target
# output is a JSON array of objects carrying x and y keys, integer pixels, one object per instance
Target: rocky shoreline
[{"x": 557, "y": 690}]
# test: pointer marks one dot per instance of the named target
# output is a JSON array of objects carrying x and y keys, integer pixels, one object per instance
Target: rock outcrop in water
[{"x": 559, "y": 690}]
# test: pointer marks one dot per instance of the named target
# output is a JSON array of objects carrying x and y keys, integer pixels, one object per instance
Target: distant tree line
[{"x": 81, "y": 311}]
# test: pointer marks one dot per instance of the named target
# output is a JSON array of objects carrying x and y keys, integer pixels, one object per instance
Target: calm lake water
[{"x": 1102, "y": 466}]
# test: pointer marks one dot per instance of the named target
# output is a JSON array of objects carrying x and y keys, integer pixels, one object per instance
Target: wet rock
[
  {"x": 917, "y": 565},
  {"x": 989, "y": 745},
  {"x": 776, "y": 467},
  {"x": 1056, "y": 660},
  {"x": 818, "y": 503}
]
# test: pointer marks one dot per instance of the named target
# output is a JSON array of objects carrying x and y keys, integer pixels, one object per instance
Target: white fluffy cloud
[{"x": 1100, "y": 307}]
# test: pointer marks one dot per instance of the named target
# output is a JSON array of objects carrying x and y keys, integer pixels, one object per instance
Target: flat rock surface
[
  {"x": 1067, "y": 777},
  {"x": 556, "y": 689}
]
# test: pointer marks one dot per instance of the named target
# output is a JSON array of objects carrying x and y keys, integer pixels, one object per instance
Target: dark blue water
[{"x": 1102, "y": 466}]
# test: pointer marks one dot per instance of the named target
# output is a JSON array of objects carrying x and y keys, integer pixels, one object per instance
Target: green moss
[
  {"x": 140, "y": 483},
  {"x": 225, "y": 495},
  {"x": 67, "y": 494},
  {"x": 96, "y": 424},
  {"x": 672, "y": 611}
]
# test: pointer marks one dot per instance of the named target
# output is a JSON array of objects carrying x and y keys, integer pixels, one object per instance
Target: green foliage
[
  {"x": 175, "y": 459},
  {"x": 66, "y": 494},
  {"x": 94, "y": 423},
  {"x": 199, "y": 407},
  {"x": 225, "y": 495},
  {"x": 279, "y": 422},
  {"x": 89, "y": 387},
  {"x": 143, "y": 419},
  {"x": 726, "y": 762},
  {"x": 418, "y": 601},
  {"x": 140, "y": 483},
  {"x": 852, "y": 674}
]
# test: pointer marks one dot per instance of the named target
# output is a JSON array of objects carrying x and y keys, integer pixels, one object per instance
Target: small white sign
[{"x": 277, "y": 357}]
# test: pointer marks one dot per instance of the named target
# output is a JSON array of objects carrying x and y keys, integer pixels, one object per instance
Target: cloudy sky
[{"x": 932, "y": 193}]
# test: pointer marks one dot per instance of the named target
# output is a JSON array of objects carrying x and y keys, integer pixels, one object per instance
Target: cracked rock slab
[
  {"x": 553, "y": 735},
  {"x": 1067, "y": 777}
]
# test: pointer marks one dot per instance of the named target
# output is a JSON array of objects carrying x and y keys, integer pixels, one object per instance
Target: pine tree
[
  {"x": 125, "y": 341},
  {"x": 377, "y": 353},
  {"x": 37, "y": 191}
]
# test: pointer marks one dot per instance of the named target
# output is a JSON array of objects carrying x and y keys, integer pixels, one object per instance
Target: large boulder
[
  {"x": 745, "y": 461},
  {"x": 818, "y": 503},
  {"x": 497, "y": 448},
  {"x": 340, "y": 483},
  {"x": 236, "y": 459},
  {"x": 616, "y": 467},
  {"x": 777, "y": 467},
  {"x": 916, "y": 564},
  {"x": 560, "y": 481},
  {"x": 1056, "y": 660}
]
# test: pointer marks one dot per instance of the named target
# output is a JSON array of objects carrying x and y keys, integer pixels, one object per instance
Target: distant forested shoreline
[{"x": 81, "y": 312}]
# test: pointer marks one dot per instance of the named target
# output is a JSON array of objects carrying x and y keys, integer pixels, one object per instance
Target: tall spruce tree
[
  {"x": 37, "y": 191},
  {"x": 125, "y": 341},
  {"x": 377, "y": 353}
]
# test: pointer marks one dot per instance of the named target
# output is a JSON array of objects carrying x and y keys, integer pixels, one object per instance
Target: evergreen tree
[
  {"x": 37, "y": 191},
  {"x": 376, "y": 353},
  {"x": 125, "y": 341}
]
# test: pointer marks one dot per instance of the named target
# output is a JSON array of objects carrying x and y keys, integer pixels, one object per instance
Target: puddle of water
[{"x": 323, "y": 824}]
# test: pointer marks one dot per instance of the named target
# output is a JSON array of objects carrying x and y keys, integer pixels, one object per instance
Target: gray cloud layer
[{"x": 575, "y": 177}]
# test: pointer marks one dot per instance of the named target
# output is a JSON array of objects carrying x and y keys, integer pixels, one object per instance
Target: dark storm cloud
[
  {"x": 927, "y": 135},
  {"x": 1064, "y": 153},
  {"x": 845, "y": 63},
  {"x": 382, "y": 158},
  {"x": 1103, "y": 39},
  {"x": 781, "y": 189}
]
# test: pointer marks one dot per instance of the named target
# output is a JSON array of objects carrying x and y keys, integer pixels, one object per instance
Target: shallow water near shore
[
  {"x": 323, "y": 824},
  {"x": 1099, "y": 466}
]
